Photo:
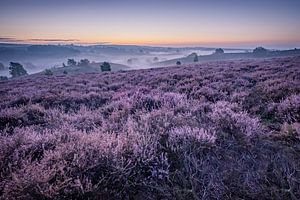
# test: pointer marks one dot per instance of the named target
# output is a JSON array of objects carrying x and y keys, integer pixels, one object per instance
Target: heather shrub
[
  {"x": 184, "y": 134},
  {"x": 86, "y": 121},
  {"x": 145, "y": 102},
  {"x": 231, "y": 122},
  {"x": 290, "y": 131},
  {"x": 289, "y": 109},
  {"x": 24, "y": 145},
  {"x": 23, "y": 116},
  {"x": 74, "y": 101},
  {"x": 94, "y": 161}
]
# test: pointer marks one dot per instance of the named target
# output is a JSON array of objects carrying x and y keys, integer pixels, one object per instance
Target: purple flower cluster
[{"x": 218, "y": 130}]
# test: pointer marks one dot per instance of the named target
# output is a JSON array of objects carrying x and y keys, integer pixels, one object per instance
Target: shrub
[
  {"x": 289, "y": 109},
  {"x": 260, "y": 51},
  {"x": 48, "y": 72},
  {"x": 3, "y": 78},
  {"x": 219, "y": 51},
  {"x": 84, "y": 62},
  {"x": 71, "y": 62},
  {"x": 105, "y": 67},
  {"x": 231, "y": 122}
]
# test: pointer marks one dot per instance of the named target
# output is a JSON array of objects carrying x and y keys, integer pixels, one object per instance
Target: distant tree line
[
  {"x": 105, "y": 66},
  {"x": 81, "y": 63}
]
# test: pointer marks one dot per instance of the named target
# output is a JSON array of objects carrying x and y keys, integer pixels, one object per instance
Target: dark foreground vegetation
[{"x": 222, "y": 130}]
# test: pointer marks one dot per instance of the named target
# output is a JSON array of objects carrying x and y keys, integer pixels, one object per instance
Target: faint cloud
[
  {"x": 10, "y": 39},
  {"x": 48, "y": 40},
  {"x": 54, "y": 40}
]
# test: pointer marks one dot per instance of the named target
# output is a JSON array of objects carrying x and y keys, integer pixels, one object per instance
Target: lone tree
[
  {"x": 105, "y": 67},
  {"x": 48, "y": 72},
  {"x": 178, "y": 63},
  {"x": 219, "y": 51},
  {"x": 196, "y": 58},
  {"x": 260, "y": 51},
  {"x": 84, "y": 62},
  {"x": 16, "y": 70},
  {"x": 71, "y": 62},
  {"x": 193, "y": 56}
]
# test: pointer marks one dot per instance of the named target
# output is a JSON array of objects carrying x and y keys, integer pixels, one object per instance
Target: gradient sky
[{"x": 233, "y": 23}]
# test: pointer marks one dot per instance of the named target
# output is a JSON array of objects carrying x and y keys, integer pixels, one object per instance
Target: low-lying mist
[{"x": 37, "y": 58}]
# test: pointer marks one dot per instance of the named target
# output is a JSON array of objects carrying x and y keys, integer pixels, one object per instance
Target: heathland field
[{"x": 217, "y": 130}]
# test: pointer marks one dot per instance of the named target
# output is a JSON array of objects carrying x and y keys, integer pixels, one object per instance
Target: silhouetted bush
[
  {"x": 83, "y": 62},
  {"x": 16, "y": 70},
  {"x": 71, "y": 62},
  {"x": 105, "y": 67},
  {"x": 219, "y": 51},
  {"x": 48, "y": 72},
  {"x": 3, "y": 78},
  {"x": 193, "y": 56},
  {"x": 260, "y": 51}
]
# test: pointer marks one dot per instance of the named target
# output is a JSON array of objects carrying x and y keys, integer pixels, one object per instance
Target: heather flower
[
  {"x": 229, "y": 119},
  {"x": 187, "y": 133},
  {"x": 289, "y": 108}
]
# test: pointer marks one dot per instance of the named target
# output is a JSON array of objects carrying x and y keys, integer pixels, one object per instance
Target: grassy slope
[
  {"x": 231, "y": 56},
  {"x": 92, "y": 68}
]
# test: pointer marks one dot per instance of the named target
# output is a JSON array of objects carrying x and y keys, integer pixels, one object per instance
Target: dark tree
[
  {"x": 105, "y": 67},
  {"x": 71, "y": 62},
  {"x": 155, "y": 59},
  {"x": 84, "y": 62},
  {"x": 193, "y": 56},
  {"x": 260, "y": 51},
  {"x": 65, "y": 72},
  {"x": 48, "y": 72},
  {"x": 16, "y": 70},
  {"x": 196, "y": 59},
  {"x": 3, "y": 78},
  {"x": 178, "y": 63},
  {"x": 219, "y": 51},
  {"x": 64, "y": 65}
]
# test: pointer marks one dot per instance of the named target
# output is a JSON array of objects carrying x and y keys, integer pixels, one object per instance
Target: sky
[{"x": 224, "y": 23}]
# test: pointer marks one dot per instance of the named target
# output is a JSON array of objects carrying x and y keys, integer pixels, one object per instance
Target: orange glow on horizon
[{"x": 157, "y": 42}]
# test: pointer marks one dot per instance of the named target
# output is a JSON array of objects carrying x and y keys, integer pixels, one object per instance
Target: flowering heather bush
[{"x": 218, "y": 130}]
